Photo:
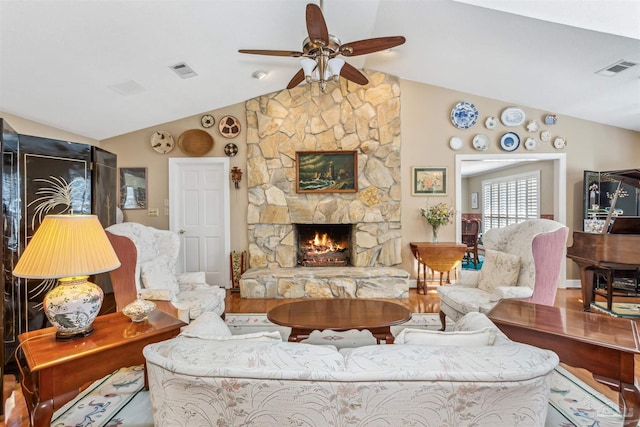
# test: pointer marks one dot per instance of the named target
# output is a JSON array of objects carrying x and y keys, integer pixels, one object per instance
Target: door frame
[
  {"x": 559, "y": 189},
  {"x": 174, "y": 164}
]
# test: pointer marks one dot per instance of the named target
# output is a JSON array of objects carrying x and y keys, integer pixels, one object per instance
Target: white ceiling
[{"x": 59, "y": 58}]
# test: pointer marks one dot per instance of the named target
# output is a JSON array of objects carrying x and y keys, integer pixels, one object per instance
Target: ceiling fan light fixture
[
  {"x": 335, "y": 65},
  {"x": 309, "y": 66}
]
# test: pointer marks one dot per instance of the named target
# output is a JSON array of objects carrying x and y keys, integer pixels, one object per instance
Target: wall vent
[
  {"x": 183, "y": 70},
  {"x": 616, "y": 68}
]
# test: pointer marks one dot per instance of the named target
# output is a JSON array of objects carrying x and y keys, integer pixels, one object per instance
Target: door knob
[{"x": 181, "y": 231}]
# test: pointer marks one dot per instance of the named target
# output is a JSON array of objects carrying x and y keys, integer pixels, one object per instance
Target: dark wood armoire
[{"x": 43, "y": 176}]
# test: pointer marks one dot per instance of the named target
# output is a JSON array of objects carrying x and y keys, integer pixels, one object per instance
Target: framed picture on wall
[
  {"x": 326, "y": 171},
  {"x": 426, "y": 181},
  {"x": 474, "y": 200},
  {"x": 133, "y": 188}
]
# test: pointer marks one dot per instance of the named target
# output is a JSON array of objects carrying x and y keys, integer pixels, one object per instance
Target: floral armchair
[
  {"x": 521, "y": 261},
  {"x": 148, "y": 257}
]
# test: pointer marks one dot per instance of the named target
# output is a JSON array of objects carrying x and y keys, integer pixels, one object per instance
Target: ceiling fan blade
[
  {"x": 362, "y": 47},
  {"x": 296, "y": 80},
  {"x": 316, "y": 26},
  {"x": 350, "y": 72},
  {"x": 272, "y": 52}
]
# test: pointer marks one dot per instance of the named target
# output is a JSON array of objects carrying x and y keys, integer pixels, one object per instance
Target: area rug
[
  {"x": 118, "y": 399},
  {"x": 618, "y": 309},
  {"x": 467, "y": 263},
  {"x": 246, "y": 323}
]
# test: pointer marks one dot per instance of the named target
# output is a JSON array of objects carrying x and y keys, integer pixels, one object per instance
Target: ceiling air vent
[
  {"x": 616, "y": 68},
  {"x": 183, "y": 70}
]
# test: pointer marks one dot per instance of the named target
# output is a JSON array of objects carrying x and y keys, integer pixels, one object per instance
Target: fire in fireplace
[{"x": 323, "y": 245}]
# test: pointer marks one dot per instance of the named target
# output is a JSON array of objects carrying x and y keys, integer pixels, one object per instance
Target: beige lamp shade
[{"x": 66, "y": 246}]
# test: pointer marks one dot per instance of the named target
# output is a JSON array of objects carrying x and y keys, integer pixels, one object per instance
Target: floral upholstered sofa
[{"x": 472, "y": 376}]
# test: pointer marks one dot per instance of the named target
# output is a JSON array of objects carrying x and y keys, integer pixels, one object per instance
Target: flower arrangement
[
  {"x": 440, "y": 214},
  {"x": 437, "y": 215}
]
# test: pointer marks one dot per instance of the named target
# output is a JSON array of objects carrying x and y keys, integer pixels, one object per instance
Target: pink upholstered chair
[{"x": 521, "y": 261}]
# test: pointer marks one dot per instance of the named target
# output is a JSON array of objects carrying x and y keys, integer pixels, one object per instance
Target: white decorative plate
[
  {"x": 545, "y": 135},
  {"x": 531, "y": 143},
  {"x": 510, "y": 141},
  {"x": 491, "y": 122},
  {"x": 512, "y": 116},
  {"x": 464, "y": 115},
  {"x": 559, "y": 143},
  {"x": 455, "y": 143},
  {"x": 532, "y": 126},
  {"x": 480, "y": 142}
]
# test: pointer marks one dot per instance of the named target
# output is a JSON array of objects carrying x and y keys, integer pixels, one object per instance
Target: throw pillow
[
  {"x": 481, "y": 337},
  {"x": 158, "y": 274},
  {"x": 498, "y": 269},
  {"x": 207, "y": 324}
]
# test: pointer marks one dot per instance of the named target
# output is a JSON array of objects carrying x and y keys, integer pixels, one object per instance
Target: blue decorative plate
[
  {"x": 510, "y": 141},
  {"x": 464, "y": 115}
]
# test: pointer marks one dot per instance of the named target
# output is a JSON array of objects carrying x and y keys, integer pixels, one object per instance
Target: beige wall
[
  {"x": 426, "y": 130},
  {"x": 134, "y": 150},
  {"x": 28, "y": 127}
]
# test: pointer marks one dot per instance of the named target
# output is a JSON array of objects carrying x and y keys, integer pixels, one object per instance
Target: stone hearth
[{"x": 325, "y": 282}]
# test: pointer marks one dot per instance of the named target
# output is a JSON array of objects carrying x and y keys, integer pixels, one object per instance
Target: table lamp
[{"x": 69, "y": 248}]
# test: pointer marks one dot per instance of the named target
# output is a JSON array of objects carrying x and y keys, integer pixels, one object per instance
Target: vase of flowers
[{"x": 437, "y": 216}]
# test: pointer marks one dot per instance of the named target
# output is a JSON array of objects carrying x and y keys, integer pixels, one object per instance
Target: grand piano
[{"x": 613, "y": 250}]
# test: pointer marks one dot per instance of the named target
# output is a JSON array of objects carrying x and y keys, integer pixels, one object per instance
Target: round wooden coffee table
[{"x": 339, "y": 314}]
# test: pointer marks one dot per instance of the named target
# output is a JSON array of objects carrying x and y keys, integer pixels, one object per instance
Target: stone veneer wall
[{"x": 345, "y": 117}]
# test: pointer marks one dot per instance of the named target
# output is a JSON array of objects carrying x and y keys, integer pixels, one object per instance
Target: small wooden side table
[
  {"x": 441, "y": 257},
  {"x": 56, "y": 370}
]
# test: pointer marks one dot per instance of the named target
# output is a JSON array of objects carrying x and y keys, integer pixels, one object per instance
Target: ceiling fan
[{"x": 320, "y": 53}]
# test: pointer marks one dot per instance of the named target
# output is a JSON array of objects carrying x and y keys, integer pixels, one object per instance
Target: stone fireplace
[{"x": 344, "y": 117}]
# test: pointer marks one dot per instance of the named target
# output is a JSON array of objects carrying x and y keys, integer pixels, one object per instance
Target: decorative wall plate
[
  {"x": 229, "y": 127},
  {"x": 455, "y": 143},
  {"x": 195, "y": 142},
  {"x": 559, "y": 143},
  {"x": 231, "y": 149},
  {"x": 481, "y": 142},
  {"x": 464, "y": 115},
  {"x": 550, "y": 119},
  {"x": 512, "y": 116},
  {"x": 531, "y": 143},
  {"x": 491, "y": 122},
  {"x": 532, "y": 126},
  {"x": 545, "y": 135},
  {"x": 510, "y": 141},
  {"x": 162, "y": 142},
  {"x": 207, "y": 121}
]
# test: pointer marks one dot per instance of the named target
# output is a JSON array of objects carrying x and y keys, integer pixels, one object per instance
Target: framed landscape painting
[
  {"x": 326, "y": 171},
  {"x": 428, "y": 181}
]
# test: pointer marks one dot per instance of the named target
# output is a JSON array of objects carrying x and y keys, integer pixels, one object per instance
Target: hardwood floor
[{"x": 429, "y": 303}]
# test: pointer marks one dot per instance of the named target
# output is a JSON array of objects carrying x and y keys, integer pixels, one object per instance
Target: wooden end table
[
  {"x": 604, "y": 345},
  {"x": 340, "y": 314},
  {"x": 441, "y": 257},
  {"x": 56, "y": 370}
]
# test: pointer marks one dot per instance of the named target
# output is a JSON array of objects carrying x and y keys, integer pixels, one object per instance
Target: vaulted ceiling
[{"x": 102, "y": 68}]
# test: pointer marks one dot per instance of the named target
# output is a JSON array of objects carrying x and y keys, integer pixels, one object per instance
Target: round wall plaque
[{"x": 229, "y": 127}]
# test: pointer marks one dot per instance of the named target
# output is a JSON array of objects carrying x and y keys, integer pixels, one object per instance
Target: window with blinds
[{"x": 509, "y": 200}]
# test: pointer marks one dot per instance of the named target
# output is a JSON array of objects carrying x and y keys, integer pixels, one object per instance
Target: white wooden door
[{"x": 199, "y": 212}]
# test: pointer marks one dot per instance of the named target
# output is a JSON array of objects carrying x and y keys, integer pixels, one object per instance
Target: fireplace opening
[{"x": 324, "y": 245}]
